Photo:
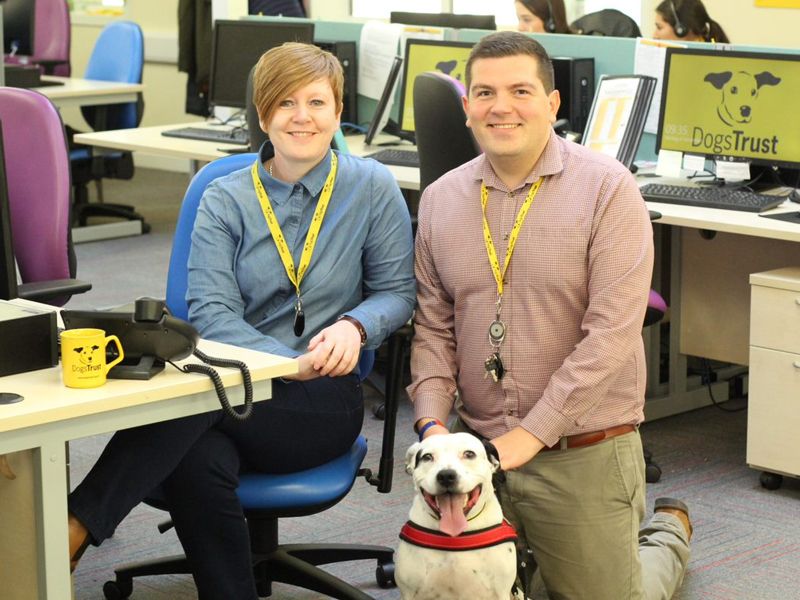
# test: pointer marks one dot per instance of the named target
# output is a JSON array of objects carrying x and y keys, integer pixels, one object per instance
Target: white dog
[{"x": 456, "y": 544}]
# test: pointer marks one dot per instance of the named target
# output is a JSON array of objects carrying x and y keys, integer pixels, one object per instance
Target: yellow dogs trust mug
[{"x": 83, "y": 357}]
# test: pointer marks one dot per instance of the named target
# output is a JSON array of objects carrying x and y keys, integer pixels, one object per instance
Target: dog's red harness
[{"x": 469, "y": 540}]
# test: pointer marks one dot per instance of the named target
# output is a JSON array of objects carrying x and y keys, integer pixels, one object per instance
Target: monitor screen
[
  {"x": 731, "y": 106},
  {"x": 8, "y": 267},
  {"x": 18, "y": 18},
  {"x": 237, "y": 46},
  {"x": 381, "y": 116},
  {"x": 429, "y": 55},
  {"x": 455, "y": 21}
]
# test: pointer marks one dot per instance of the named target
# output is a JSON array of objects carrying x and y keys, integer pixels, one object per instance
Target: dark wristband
[
  {"x": 361, "y": 331},
  {"x": 427, "y": 426}
]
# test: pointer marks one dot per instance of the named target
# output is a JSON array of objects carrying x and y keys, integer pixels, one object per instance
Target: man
[{"x": 535, "y": 320}]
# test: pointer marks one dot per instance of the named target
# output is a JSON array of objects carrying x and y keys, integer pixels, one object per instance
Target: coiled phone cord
[{"x": 215, "y": 378}]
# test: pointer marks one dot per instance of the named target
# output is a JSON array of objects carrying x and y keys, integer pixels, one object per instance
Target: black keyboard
[
  {"x": 710, "y": 197},
  {"x": 398, "y": 158},
  {"x": 237, "y": 135}
]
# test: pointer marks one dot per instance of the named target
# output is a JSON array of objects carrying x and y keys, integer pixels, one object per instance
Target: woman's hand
[{"x": 336, "y": 349}]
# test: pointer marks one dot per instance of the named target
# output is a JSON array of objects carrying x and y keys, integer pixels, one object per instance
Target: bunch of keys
[{"x": 494, "y": 367}]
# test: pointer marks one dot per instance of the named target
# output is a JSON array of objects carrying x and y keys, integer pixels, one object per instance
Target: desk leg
[{"x": 51, "y": 508}]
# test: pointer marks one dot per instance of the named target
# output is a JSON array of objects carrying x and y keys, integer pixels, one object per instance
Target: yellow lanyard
[
  {"x": 313, "y": 230},
  {"x": 487, "y": 234}
]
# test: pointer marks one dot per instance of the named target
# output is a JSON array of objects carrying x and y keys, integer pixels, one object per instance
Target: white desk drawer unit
[{"x": 773, "y": 418}]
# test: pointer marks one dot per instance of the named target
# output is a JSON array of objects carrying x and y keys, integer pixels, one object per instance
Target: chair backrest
[
  {"x": 38, "y": 174},
  {"x": 608, "y": 22},
  {"x": 443, "y": 139},
  {"x": 51, "y": 38},
  {"x": 118, "y": 55},
  {"x": 257, "y": 135}
]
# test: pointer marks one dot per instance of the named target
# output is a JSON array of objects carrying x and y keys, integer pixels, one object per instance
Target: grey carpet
[{"x": 747, "y": 539}]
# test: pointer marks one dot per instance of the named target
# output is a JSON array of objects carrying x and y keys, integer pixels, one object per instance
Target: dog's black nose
[
  {"x": 745, "y": 111},
  {"x": 447, "y": 477}
]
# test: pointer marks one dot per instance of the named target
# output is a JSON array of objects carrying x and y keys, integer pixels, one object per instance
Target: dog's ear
[
  {"x": 718, "y": 80},
  {"x": 492, "y": 454},
  {"x": 94, "y": 348},
  {"x": 77, "y": 350},
  {"x": 767, "y": 78},
  {"x": 412, "y": 455}
]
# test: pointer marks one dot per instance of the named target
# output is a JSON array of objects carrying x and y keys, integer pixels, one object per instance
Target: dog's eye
[
  {"x": 427, "y": 457},
  {"x": 734, "y": 89},
  {"x": 469, "y": 454}
]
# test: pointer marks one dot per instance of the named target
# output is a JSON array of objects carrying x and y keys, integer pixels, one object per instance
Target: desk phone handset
[{"x": 152, "y": 337}]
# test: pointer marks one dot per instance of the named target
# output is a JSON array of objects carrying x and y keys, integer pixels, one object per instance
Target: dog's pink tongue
[{"x": 451, "y": 507}]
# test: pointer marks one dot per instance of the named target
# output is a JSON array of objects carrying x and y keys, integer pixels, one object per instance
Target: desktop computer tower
[
  {"x": 574, "y": 79},
  {"x": 346, "y": 53}
]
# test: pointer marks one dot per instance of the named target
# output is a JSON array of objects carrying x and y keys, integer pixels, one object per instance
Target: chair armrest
[{"x": 47, "y": 290}]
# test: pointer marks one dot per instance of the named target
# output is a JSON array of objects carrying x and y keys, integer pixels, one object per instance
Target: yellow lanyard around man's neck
[
  {"x": 313, "y": 230},
  {"x": 487, "y": 234}
]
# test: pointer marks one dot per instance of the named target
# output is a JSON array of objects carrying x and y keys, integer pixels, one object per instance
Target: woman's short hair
[{"x": 283, "y": 70}]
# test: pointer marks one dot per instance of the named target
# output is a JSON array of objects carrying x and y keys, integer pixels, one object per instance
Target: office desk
[
  {"x": 150, "y": 141},
  {"x": 33, "y": 512},
  {"x": 711, "y": 255},
  {"x": 86, "y": 92}
]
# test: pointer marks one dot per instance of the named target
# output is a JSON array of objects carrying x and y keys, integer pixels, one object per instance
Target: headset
[
  {"x": 550, "y": 22},
  {"x": 678, "y": 27}
]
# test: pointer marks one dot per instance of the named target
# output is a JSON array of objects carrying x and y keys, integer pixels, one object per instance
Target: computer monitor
[
  {"x": 429, "y": 55},
  {"x": 237, "y": 46},
  {"x": 18, "y": 19},
  {"x": 8, "y": 267},
  {"x": 739, "y": 106},
  {"x": 455, "y": 21},
  {"x": 381, "y": 115}
]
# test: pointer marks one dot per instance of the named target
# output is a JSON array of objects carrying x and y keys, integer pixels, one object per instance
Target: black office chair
[
  {"x": 607, "y": 22},
  {"x": 443, "y": 139}
]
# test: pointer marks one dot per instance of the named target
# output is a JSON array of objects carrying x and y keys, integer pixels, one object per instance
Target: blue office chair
[
  {"x": 268, "y": 498},
  {"x": 118, "y": 55}
]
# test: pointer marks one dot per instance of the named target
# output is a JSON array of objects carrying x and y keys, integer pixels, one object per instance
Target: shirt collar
[
  {"x": 549, "y": 163},
  {"x": 313, "y": 181}
]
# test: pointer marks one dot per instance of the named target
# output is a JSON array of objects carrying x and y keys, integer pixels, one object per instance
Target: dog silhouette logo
[
  {"x": 739, "y": 93},
  {"x": 88, "y": 355}
]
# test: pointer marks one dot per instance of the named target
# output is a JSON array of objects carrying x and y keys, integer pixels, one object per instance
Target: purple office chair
[
  {"x": 51, "y": 38},
  {"x": 37, "y": 167}
]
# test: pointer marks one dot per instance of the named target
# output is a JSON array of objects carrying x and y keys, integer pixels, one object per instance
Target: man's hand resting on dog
[
  {"x": 334, "y": 352},
  {"x": 516, "y": 447}
]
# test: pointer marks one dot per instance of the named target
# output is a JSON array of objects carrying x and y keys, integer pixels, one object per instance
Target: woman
[
  {"x": 358, "y": 286},
  {"x": 542, "y": 16},
  {"x": 687, "y": 20}
]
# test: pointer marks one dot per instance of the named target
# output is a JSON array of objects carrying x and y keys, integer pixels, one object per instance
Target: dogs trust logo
[
  {"x": 89, "y": 358},
  {"x": 739, "y": 93},
  {"x": 738, "y": 98}
]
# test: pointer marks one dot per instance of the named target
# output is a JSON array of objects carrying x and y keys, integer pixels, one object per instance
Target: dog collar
[{"x": 470, "y": 540}]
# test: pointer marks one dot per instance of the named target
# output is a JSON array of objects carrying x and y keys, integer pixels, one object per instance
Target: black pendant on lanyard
[{"x": 299, "y": 318}]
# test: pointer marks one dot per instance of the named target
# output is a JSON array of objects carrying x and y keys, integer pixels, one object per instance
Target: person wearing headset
[
  {"x": 687, "y": 20},
  {"x": 541, "y": 16},
  {"x": 305, "y": 253}
]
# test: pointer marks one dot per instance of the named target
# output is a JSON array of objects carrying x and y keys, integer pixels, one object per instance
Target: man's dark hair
[{"x": 512, "y": 43}]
